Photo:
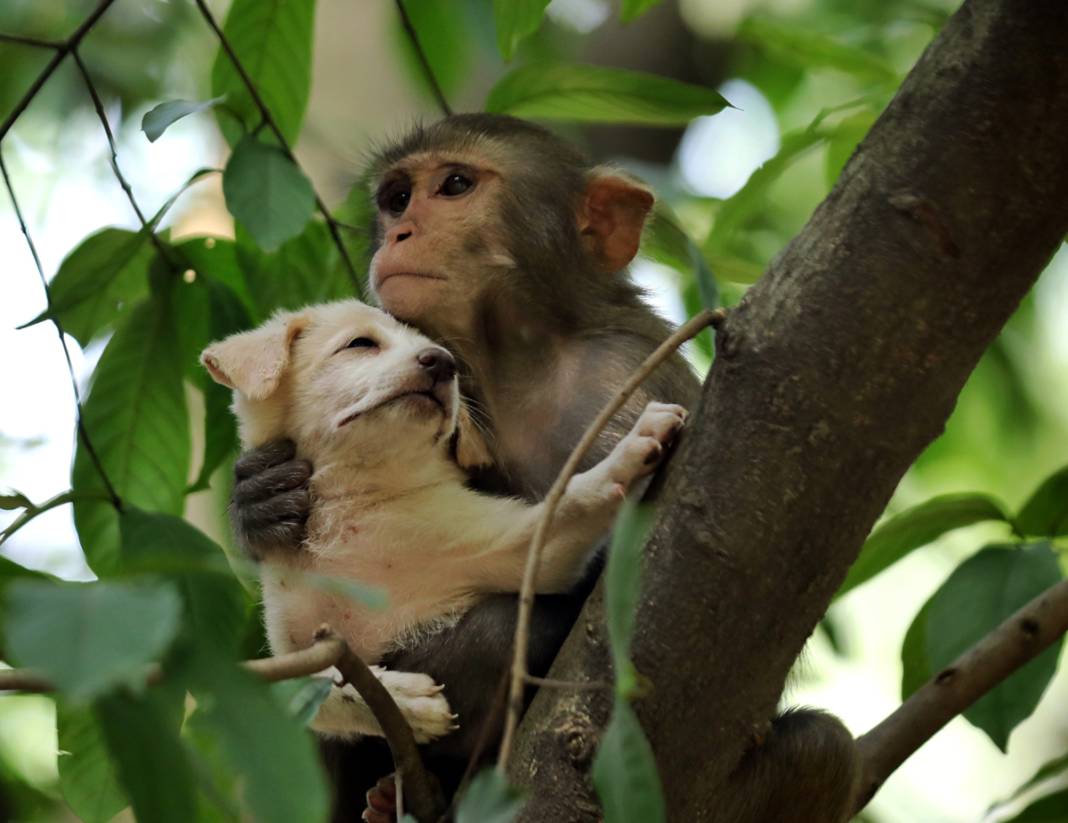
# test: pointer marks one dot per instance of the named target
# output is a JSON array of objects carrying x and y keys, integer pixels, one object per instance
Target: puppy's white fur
[{"x": 391, "y": 508}]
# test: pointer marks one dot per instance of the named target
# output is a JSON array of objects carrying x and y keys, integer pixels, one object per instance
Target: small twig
[
  {"x": 35, "y": 42},
  {"x": 568, "y": 685},
  {"x": 116, "y": 501},
  {"x": 1018, "y": 640},
  {"x": 424, "y": 62},
  {"x": 269, "y": 120},
  {"x": 423, "y": 797},
  {"x": 35, "y": 511},
  {"x": 322, "y": 654},
  {"x": 526, "y": 593},
  {"x": 62, "y": 50},
  {"x": 103, "y": 117}
]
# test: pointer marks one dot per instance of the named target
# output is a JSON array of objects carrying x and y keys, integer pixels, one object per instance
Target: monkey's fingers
[
  {"x": 256, "y": 460},
  {"x": 273, "y": 482},
  {"x": 382, "y": 802}
]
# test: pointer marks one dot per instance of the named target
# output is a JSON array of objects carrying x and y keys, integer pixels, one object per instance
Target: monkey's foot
[{"x": 382, "y": 802}]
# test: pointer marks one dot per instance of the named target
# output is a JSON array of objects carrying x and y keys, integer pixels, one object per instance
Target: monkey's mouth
[{"x": 381, "y": 277}]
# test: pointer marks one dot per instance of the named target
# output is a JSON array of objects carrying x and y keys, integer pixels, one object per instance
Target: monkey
[{"x": 504, "y": 243}]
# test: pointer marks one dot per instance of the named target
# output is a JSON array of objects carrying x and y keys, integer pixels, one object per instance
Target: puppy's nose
[{"x": 438, "y": 363}]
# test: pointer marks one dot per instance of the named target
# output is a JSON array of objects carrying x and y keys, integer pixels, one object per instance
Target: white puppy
[{"x": 375, "y": 406}]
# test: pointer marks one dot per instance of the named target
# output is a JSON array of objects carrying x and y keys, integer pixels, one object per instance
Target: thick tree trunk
[{"x": 833, "y": 374}]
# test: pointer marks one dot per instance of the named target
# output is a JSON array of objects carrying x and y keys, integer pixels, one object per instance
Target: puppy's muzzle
[{"x": 438, "y": 363}]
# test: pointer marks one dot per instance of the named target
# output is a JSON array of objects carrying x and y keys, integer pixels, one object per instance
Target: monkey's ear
[
  {"x": 612, "y": 217},
  {"x": 253, "y": 362},
  {"x": 472, "y": 451}
]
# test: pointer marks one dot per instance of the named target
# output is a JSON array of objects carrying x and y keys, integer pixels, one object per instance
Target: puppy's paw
[
  {"x": 422, "y": 703},
  {"x": 641, "y": 451}
]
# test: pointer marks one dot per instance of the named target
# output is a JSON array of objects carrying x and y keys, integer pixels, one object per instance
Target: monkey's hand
[
  {"x": 270, "y": 504},
  {"x": 643, "y": 447}
]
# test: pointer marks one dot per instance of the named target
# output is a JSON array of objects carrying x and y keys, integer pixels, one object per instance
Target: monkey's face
[
  {"x": 441, "y": 238},
  {"x": 339, "y": 372}
]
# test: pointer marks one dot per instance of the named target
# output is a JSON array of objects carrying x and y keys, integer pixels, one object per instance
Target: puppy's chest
[{"x": 323, "y": 585}]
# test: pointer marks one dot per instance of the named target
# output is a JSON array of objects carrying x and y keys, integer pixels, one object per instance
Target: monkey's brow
[{"x": 407, "y": 167}]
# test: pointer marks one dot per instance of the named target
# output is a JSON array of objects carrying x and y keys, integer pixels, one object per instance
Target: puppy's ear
[
  {"x": 472, "y": 451},
  {"x": 253, "y": 362}
]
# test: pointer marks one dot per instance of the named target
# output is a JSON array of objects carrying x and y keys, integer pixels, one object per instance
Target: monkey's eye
[
  {"x": 362, "y": 343},
  {"x": 397, "y": 201},
  {"x": 456, "y": 184}
]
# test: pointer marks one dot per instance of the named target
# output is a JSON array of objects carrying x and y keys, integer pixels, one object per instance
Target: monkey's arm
[{"x": 270, "y": 503}]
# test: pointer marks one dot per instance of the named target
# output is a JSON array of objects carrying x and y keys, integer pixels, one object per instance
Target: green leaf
[
  {"x": 267, "y": 193},
  {"x": 215, "y": 603},
  {"x": 1053, "y": 808},
  {"x": 489, "y": 799},
  {"x": 622, "y": 586},
  {"x": 87, "y": 777},
  {"x": 98, "y": 282},
  {"x": 302, "y": 697},
  {"x": 269, "y": 750},
  {"x": 751, "y": 200},
  {"x": 160, "y": 118},
  {"x": 666, "y": 242},
  {"x": 1046, "y": 511},
  {"x": 915, "y": 668},
  {"x": 633, "y": 9},
  {"x": 624, "y": 771},
  {"x": 215, "y": 258},
  {"x": 847, "y": 135},
  {"x": 983, "y": 592},
  {"x": 207, "y": 310},
  {"x": 909, "y": 530},
  {"x": 305, "y": 270},
  {"x": 273, "y": 41},
  {"x": 372, "y": 597},
  {"x": 90, "y": 637},
  {"x": 516, "y": 20},
  {"x": 137, "y": 420},
  {"x": 592, "y": 94},
  {"x": 735, "y": 269},
  {"x": 150, "y": 759},
  {"x": 808, "y": 50},
  {"x": 15, "y": 500},
  {"x": 1049, "y": 769}
]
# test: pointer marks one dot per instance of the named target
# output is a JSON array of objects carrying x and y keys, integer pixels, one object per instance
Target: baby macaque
[{"x": 376, "y": 405}]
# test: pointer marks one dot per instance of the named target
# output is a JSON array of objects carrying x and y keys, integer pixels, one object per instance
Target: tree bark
[{"x": 832, "y": 375}]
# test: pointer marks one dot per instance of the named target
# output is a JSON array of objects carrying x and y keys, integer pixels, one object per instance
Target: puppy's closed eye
[{"x": 360, "y": 343}]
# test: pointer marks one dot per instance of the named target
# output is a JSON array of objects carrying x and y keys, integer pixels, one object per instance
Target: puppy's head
[{"x": 339, "y": 372}]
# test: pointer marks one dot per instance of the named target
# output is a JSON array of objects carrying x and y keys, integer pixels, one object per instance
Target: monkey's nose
[{"x": 438, "y": 363}]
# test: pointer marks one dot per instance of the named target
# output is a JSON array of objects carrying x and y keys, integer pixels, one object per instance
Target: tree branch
[
  {"x": 62, "y": 50},
  {"x": 519, "y": 676},
  {"x": 83, "y": 434},
  {"x": 835, "y": 371},
  {"x": 1021, "y": 638},
  {"x": 35, "y": 42},
  {"x": 409, "y": 29},
  {"x": 98, "y": 105},
  {"x": 269, "y": 121}
]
